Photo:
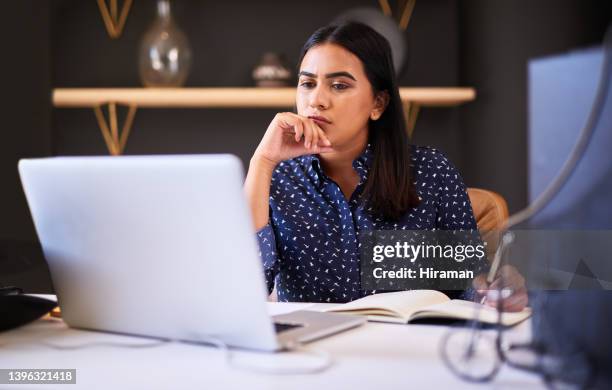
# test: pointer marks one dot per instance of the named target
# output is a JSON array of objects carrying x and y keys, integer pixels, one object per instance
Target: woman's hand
[
  {"x": 513, "y": 292},
  {"x": 290, "y": 135}
]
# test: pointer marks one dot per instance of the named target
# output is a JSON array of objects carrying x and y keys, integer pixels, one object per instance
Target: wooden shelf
[
  {"x": 412, "y": 100},
  {"x": 231, "y": 97}
]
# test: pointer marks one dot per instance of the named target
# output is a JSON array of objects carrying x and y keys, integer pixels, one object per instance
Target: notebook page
[
  {"x": 403, "y": 303},
  {"x": 467, "y": 310}
]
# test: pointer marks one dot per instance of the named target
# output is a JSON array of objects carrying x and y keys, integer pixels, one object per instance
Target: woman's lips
[{"x": 320, "y": 120}]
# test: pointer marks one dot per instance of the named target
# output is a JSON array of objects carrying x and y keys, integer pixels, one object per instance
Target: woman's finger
[
  {"x": 323, "y": 140},
  {"x": 515, "y": 302},
  {"x": 290, "y": 124},
  {"x": 307, "y": 134},
  {"x": 315, "y": 133},
  {"x": 480, "y": 284},
  {"x": 296, "y": 123},
  {"x": 299, "y": 130},
  {"x": 512, "y": 277},
  {"x": 509, "y": 277},
  {"x": 310, "y": 125}
]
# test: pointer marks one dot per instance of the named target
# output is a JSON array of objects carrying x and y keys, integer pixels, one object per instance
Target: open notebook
[{"x": 405, "y": 306}]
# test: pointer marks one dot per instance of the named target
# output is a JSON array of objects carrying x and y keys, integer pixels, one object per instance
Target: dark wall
[
  {"x": 497, "y": 40},
  {"x": 26, "y": 132}
]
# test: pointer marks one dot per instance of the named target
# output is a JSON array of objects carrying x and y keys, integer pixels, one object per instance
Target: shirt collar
[{"x": 361, "y": 164}]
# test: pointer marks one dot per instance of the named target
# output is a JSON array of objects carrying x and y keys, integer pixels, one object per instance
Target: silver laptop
[{"x": 160, "y": 246}]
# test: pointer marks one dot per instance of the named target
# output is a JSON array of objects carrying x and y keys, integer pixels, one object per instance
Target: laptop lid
[{"x": 158, "y": 246}]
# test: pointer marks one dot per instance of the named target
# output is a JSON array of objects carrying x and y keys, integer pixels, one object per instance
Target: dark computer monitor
[
  {"x": 565, "y": 249},
  {"x": 562, "y": 91}
]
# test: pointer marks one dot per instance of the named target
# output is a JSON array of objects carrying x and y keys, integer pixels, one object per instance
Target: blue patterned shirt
[{"x": 310, "y": 247}]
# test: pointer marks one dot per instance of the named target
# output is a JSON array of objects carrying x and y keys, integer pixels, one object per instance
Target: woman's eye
[
  {"x": 339, "y": 86},
  {"x": 307, "y": 84}
]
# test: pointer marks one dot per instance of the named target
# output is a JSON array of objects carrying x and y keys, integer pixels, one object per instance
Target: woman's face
[{"x": 334, "y": 91}]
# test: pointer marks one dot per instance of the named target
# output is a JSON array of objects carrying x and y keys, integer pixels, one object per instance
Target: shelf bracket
[
  {"x": 411, "y": 113},
  {"x": 115, "y": 141},
  {"x": 114, "y": 22},
  {"x": 405, "y": 8}
]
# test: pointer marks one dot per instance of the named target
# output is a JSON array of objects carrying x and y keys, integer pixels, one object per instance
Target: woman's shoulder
[
  {"x": 433, "y": 173},
  {"x": 429, "y": 159}
]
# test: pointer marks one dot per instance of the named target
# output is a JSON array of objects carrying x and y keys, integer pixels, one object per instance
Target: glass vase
[{"x": 165, "y": 54}]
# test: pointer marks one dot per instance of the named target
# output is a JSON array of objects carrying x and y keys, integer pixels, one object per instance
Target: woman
[{"x": 343, "y": 164}]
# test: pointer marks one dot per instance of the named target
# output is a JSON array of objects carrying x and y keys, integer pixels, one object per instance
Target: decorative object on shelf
[
  {"x": 113, "y": 21},
  {"x": 165, "y": 54},
  {"x": 271, "y": 72},
  {"x": 385, "y": 26}
]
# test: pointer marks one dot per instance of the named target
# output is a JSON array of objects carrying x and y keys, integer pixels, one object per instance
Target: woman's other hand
[{"x": 509, "y": 287}]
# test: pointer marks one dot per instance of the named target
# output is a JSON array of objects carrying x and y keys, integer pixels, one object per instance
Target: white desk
[{"x": 385, "y": 356}]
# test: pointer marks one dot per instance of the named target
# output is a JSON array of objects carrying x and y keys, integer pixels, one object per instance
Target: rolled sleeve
[{"x": 268, "y": 254}]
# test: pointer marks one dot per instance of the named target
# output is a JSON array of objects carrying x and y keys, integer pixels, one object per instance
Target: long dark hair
[{"x": 389, "y": 189}]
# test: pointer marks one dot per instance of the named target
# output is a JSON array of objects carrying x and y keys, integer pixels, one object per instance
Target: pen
[{"x": 507, "y": 238}]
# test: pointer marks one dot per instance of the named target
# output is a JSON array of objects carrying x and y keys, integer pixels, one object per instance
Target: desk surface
[{"x": 376, "y": 355}]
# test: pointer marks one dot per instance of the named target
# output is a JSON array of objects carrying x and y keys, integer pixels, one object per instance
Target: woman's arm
[
  {"x": 288, "y": 135},
  {"x": 257, "y": 189}
]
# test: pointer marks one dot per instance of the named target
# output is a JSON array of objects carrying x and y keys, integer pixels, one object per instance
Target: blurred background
[{"x": 484, "y": 44}]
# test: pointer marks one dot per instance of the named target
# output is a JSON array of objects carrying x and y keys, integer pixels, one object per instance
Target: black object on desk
[{"x": 17, "y": 309}]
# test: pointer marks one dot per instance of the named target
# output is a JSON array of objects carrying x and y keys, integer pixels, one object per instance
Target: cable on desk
[
  {"x": 325, "y": 359},
  {"x": 325, "y": 362},
  {"x": 104, "y": 344}
]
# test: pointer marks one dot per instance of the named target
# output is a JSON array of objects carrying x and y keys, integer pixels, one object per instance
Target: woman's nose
[{"x": 319, "y": 98}]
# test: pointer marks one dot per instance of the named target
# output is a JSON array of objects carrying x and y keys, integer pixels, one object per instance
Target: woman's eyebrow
[{"x": 329, "y": 75}]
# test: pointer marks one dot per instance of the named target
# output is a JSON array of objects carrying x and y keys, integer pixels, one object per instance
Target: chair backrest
[{"x": 491, "y": 213}]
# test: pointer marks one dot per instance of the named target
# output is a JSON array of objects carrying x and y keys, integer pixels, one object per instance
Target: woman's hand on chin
[{"x": 290, "y": 135}]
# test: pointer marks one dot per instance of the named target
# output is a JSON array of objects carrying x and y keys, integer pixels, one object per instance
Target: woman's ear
[{"x": 381, "y": 100}]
